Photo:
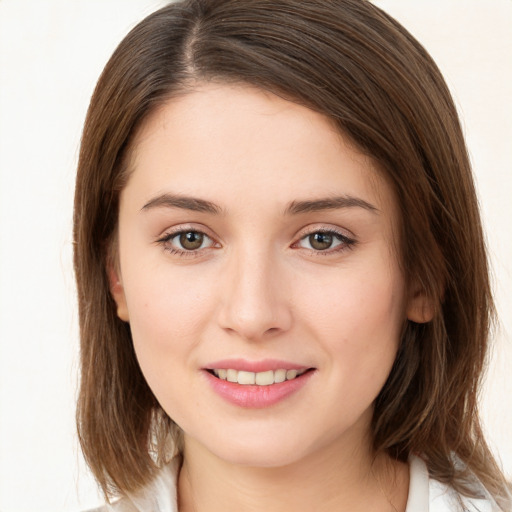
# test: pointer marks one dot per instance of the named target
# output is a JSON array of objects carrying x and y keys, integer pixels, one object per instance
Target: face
[{"x": 258, "y": 272}]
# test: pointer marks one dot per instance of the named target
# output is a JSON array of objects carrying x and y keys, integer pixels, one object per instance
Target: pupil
[
  {"x": 191, "y": 240},
  {"x": 320, "y": 241}
]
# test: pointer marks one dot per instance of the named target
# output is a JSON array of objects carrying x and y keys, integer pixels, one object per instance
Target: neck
[{"x": 330, "y": 480}]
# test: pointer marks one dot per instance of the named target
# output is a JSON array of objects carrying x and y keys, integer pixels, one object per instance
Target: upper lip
[{"x": 255, "y": 366}]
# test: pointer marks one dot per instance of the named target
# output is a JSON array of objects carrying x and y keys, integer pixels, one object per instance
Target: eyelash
[{"x": 345, "y": 242}]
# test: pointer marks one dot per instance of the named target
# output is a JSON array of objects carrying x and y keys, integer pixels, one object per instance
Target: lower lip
[{"x": 256, "y": 397}]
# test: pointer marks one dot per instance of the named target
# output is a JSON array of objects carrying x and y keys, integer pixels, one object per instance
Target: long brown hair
[{"x": 353, "y": 63}]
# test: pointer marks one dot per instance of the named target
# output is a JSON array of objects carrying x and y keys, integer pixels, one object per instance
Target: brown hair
[{"x": 353, "y": 63}]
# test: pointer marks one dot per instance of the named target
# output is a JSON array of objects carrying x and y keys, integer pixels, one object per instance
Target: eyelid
[{"x": 325, "y": 228}]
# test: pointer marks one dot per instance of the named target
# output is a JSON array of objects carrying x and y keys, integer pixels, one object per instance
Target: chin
[
  {"x": 259, "y": 448},
  {"x": 248, "y": 455}
]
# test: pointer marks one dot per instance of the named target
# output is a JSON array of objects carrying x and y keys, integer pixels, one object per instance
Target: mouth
[
  {"x": 257, "y": 384},
  {"x": 264, "y": 378}
]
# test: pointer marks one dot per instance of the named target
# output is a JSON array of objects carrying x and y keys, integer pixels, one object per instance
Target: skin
[{"x": 258, "y": 289}]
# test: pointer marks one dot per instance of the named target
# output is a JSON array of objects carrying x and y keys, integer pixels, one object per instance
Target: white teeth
[
  {"x": 260, "y": 378},
  {"x": 246, "y": 378},
  {"x": 291, "y": 374},
  {"x": 264, "y": 378},
  {"x": 279, "y": 376}
]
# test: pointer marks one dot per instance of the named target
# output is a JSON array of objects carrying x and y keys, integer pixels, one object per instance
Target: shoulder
[
  {"x": 429, "y": 495},
  {"x": 159, "y": 496}
]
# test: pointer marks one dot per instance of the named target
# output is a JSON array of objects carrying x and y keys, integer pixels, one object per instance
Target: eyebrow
[
  {"x": 329, "y": 203},
  {"x": 295, "y": 207},
  {"x": 183, "y": 202}
]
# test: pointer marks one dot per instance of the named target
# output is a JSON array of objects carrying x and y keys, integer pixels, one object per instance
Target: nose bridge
[{"x": 253, "y": 303}]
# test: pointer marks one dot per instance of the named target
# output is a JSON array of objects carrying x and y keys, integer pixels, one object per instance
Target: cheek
[
  {"x": 163, "y": 298},
  {"x": 167, "y": 315},
  {"x": 359, "y": 301},
  {"x": 358, "y": 317},
  {"x": 167, "y": 309},
  {"x": 165, "y": 322}
]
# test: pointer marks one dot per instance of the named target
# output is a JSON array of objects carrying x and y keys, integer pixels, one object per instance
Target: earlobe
[
  {"x": 420, "y": 308},
  {"x": 117, "y": 291}
]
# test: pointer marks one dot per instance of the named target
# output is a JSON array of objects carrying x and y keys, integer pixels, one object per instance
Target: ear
[
  {"x": 117, "y": 291},
  {"x": 420, "y": 308}
]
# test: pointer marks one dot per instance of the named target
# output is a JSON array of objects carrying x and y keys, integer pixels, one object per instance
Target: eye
[
  {"x": 186, "y": 241},
  {"x": 190, "y": 240},
  {"x": 325, "y": 241}
]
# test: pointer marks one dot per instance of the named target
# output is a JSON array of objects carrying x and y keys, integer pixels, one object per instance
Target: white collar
[
  {"x": 429, "y": 495},
  {"x": 418, "y": 499}
]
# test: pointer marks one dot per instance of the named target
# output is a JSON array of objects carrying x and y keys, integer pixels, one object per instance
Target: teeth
[
  {"x": 246, "y": 378},
  {"x": 264, "y": 378},
  {"x": 291, "y": 374},
  {"x": 260, "y": 379},
  {"x": 279, "y": 376}
]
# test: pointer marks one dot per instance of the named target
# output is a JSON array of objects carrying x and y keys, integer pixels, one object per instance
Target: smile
[
  {"x": 265, "y": 378},
  {"x": 256, "y": 390}
]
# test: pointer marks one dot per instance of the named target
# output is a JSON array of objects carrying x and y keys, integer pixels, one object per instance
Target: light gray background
[{"x": 51, "y": 53}]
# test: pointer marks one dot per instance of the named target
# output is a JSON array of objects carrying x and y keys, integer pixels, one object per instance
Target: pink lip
[
  {"x": 252, "y": 396},
  {"x": 255, "y": 366}
]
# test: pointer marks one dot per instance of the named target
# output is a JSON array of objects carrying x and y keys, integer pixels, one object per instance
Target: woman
[{"x": 283, "y": 286}]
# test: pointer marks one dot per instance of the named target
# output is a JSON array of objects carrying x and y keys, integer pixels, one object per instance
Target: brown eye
[
  {"x": 320, "y": 241},
  {"x": 191, "y": 240},
  {"x": 187, "y": 242},
  {"x": 325, "y": 241}
]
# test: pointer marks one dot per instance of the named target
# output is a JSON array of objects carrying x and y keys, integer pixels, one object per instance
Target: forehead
[{"x": 225, "y": 141}]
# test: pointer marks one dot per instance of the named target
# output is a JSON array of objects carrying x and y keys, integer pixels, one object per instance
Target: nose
[{"x": 254, "y": 303}]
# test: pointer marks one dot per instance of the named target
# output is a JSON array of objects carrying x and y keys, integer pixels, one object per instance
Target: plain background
[{"x": 51, "y": 53}]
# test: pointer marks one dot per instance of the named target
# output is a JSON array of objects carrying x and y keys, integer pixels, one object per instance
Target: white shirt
[{"x": 425, "y": 494}]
